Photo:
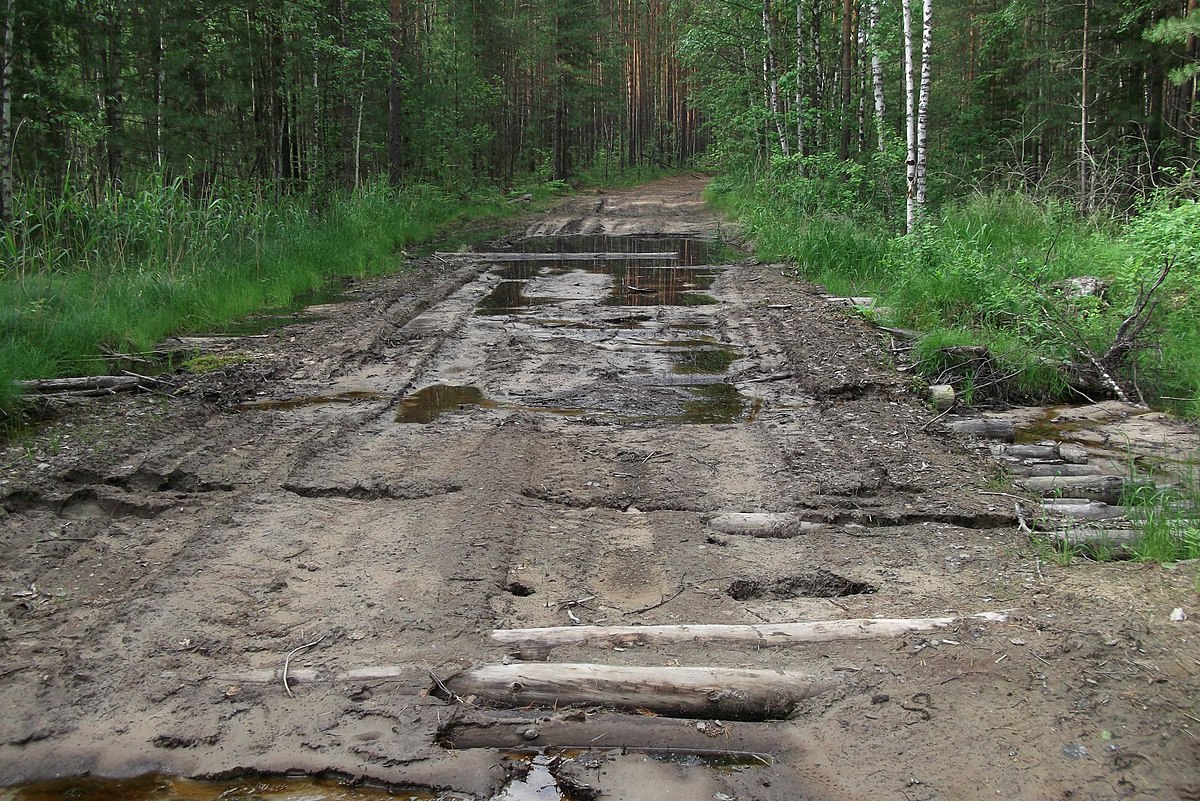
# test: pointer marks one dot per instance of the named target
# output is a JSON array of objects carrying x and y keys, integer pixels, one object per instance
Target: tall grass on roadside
[
  {"x": 80, "y": 275},
  {"x": 989, "y": 269}
]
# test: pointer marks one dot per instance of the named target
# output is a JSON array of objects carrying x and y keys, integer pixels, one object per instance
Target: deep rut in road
[{"x": 610, "y": 420}]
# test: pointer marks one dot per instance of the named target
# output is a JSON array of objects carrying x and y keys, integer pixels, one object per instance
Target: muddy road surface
[{"x": 295, "y": 564}]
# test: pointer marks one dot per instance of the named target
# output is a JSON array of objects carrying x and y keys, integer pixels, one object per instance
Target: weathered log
[
  {"x": 942, "y": 396},
  {"x": 771, "y": 525},
  {"x": 519, "y": 256},
  {"x": 537, "y": 642},
  {"x": 91, "y": 383},
  {"x": 696, "y": 692},
  {"x": 1082, "y": 510},
  {"x": 1098, "y": 541},
  {"x": 1073, "y": 454},
  {"x": 860, "y": 301},
  {"x": 1107, "y": 489},
  {"x": 984, "y": 428},
  {"x": 475, "y": 728},
  {"x": 1044, "y": 469}
]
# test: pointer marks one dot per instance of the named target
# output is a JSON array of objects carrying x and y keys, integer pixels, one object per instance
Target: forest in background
[
  {"x": 171, "y": 164},
  {"x": 325, "y": 95},
  {"x": 966, "y": 163}
]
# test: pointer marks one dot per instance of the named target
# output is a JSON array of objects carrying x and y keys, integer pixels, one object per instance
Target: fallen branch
[
  {"x": 505, "y": 256},
  {"x": 288, "y": 660},
  {"x": 100, "y": 384}
]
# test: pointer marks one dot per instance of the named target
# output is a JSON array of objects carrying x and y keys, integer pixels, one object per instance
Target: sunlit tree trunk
[
  {"x": 923, "y": 104},
  {"x": 876, "y": 72},
  {"x": 847, "y": 67},
  {"x": 801, "y": 60},
  {"x": 910, "y": 122},
  {"x": 1084, "y": 148},
  {"x": 770, "y": 78}
]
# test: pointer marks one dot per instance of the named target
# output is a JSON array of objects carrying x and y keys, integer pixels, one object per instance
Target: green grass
[
  {"x": 80, "y": 276},
  {"x": 983, "y": 270},
  {"x": 1167, "y": 519}
]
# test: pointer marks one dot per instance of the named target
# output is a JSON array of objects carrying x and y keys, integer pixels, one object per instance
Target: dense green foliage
[
  {"x": 319, "y": 95},
  {"x": 986, "y": 270},
  {"x": 1061, "y": 144},
  {"x": 121, "y": 274}
]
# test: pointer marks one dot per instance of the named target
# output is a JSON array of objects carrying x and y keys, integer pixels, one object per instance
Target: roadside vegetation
[
  {"x": 994, "y": 269},
  {"x": 84, "y": 281}
]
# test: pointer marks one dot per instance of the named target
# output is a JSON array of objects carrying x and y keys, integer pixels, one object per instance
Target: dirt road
[{"x": 493, "y": 444}]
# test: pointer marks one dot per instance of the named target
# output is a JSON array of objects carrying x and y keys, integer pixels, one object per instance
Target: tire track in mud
[{"x": 571, "y": 471}]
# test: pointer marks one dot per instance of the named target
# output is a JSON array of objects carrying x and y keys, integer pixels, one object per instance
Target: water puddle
[
  {"x": 564, "y": 774},
  {"x": 430, "y": 403},
  {"x": 690, "y": 251},
  {"x": 260, "y": 323},
  {"x": 706, "y": 404},
  {"x": 533, "y": 779},
  {"x": 311, "y": 400},
  {"x": 259, "y": 788},
  {"x": 679, "y": 278},
  {"x": 509, "y": 298},
  {"x": 731, "y": 762},
  {"x": 705, "y": 359},
  {"x": 717, "y": 403}
]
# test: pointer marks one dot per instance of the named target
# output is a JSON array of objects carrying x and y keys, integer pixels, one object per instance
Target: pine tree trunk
[
  {"x": 395, "y": 148},
  {"x": 6, "y": 53},
  {"x": 910, "y": 122},
  {"x": 112, "y": 95}
]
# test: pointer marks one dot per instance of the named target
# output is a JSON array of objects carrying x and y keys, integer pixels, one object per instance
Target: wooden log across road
[
  {"x": 693, "y": 692},
  {"x": 536, "y": 642}
]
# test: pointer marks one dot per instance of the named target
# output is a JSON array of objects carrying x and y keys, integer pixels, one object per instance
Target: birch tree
[
  {"x": 923, "y": 105},
  {"x": 770, "y": 77},
  {"x": 910, "y": 123},
  {"x": 876, "y": 71}
]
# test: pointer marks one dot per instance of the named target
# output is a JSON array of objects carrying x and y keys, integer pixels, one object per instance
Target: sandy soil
[{"x": 162, "y": 555}]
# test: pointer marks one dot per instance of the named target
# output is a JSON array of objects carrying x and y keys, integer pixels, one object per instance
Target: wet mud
[{"x": 267, "y": 570}]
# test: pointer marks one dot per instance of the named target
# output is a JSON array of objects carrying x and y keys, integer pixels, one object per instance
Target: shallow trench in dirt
[{"x": 611, "y": 419}]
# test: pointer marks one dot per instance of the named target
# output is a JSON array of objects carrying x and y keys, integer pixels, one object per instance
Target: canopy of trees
[
  {"x": 326, "y": 92},
  {"x": 1094, "y": 98},
  {"x": 1098, "y": 96}
]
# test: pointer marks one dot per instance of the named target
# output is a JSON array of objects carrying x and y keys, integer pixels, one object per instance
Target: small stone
[
  {"x": 1075, "y": 751},
  {"x": 531, "y": 733},
  {"x": 1178, "y": 615}
]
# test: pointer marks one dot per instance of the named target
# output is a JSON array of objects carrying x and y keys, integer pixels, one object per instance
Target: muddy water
[
  {"x": 677, "y": 279},
  {"x": 707, "y": 404},
  {"x": 161, "y": 788}
]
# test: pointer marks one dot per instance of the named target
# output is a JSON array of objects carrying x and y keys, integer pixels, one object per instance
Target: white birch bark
[
  {"x": 801, "y": 49},
  {"x": 1084, "y": 150},
  {"x": 923, "y": 104},
  {"x": 772, "y": 80},
  {"x": 876, "y": 71},
  {"x": 362, "y": 96},
  {"x": 910, "y": 123}
]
